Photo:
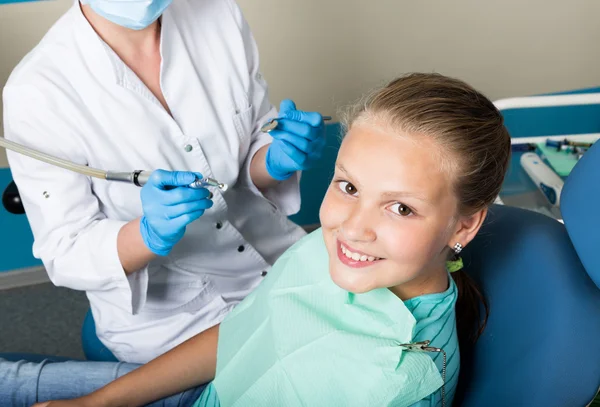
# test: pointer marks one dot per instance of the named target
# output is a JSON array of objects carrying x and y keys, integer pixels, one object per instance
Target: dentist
[{"x": 155, "y": 84}]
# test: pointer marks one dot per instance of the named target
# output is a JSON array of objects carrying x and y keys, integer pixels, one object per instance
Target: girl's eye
[
  {"x": 401, "y": 209},
  {"x": 347, "y": 188}
]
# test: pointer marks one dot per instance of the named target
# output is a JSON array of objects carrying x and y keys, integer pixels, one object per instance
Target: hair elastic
[{"x": 454, "y": 265}]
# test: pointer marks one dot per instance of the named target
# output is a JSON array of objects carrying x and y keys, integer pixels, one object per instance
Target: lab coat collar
[
  {"x": 92, "y": 47},
  {"x": 104, "y": 62}
]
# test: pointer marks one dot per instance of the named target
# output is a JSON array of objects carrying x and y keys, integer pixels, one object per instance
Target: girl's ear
[{"x": 467, "y": 227}]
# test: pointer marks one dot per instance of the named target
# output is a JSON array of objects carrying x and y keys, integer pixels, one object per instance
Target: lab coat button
[
  {"x": 188, "y": 148},
  {"x": 264, "y": 273},
  {"x": 219, "y": 225},
  {"x": 241, "y": 249}
]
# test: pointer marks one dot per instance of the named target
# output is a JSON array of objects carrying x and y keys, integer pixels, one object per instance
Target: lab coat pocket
[{"x": 167, "y": 298}]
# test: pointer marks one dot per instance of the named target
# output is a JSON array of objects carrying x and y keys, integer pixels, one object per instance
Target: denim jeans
[{"x": 24, "y": 383}]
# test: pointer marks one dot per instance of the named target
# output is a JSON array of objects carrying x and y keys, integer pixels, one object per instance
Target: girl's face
[{"x": 390, "y": 213}]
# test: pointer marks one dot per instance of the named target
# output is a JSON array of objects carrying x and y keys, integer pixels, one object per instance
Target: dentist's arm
[{"x": 188, "y": 365}]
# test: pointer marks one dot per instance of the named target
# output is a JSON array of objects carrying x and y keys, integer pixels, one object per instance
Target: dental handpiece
[{"x": 140, "y": 178}]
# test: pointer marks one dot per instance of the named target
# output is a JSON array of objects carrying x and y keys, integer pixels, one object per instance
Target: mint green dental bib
[{"x": 300, "y": 340}]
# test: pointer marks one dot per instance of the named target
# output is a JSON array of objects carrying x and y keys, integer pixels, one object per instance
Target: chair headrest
[
  {"x": 580, "y": 200},
  {"x": 540, "y": 299}
]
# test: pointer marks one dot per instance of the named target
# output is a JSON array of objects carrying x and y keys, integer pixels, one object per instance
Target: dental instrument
[
  {"x": 138, "y": 177},
  {"x": 273, "y": 123},
  {"x": 543, "y": 177}
]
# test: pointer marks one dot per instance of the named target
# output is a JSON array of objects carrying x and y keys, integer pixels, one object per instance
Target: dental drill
[{"x": 138, "y": 178}]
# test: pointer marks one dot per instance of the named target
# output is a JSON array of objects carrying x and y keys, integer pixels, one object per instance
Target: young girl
[{"x": 341, "y": 317}]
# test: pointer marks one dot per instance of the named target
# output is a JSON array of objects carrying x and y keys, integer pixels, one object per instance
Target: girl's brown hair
[{"x": 470, "y": 129}]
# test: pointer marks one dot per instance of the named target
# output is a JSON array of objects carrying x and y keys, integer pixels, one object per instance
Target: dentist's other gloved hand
[
  {"x": 298, "y": 141},
  {"x": 169, "y": 206}
]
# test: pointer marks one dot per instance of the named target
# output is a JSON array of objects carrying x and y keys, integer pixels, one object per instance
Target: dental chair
[{"x": 541, "y": 346}]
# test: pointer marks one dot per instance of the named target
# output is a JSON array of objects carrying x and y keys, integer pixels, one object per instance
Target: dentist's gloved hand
[
  {"x": 169, "y": 206},
  {"x": 298, "y": 141}
]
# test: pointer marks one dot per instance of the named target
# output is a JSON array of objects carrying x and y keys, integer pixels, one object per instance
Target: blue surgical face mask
[{"x": 133, "y": 14}]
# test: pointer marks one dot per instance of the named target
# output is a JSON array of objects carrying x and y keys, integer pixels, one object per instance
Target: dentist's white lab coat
[{"x": 73, "y": 97}]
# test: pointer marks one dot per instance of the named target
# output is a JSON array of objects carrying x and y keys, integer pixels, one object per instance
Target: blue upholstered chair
[{"x": 540, "y": 346}]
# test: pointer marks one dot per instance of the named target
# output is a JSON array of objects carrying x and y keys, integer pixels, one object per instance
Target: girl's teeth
[{"x": 356, "y": 256}]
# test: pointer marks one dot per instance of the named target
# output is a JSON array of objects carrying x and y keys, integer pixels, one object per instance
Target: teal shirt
[{"x": 436, "y": 321}]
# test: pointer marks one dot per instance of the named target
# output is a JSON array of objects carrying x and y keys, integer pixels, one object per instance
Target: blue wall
[
  {"x": 547, "y": 121},
  {"x": 16, "y": 238}
]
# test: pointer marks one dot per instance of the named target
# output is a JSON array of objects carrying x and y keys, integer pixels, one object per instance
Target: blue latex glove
[
  {"x": 169, "y": 206},
  {"x": 298, "y": 141}
]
